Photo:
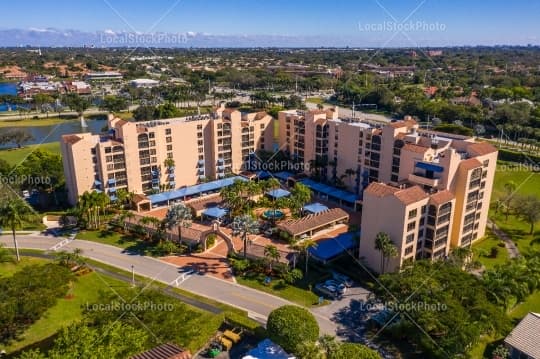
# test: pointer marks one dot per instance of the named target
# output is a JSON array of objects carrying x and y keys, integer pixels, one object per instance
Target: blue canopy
[
  {"x": 278, "y": 193},
  {"x": 315, "y": 208},
  {"x": 283, "y": 175},
  {"x": 330, "y": 191},
  {"x": 263, "y": 174},
  {"x": 193, "y": 190},
  {"x": 215, "y": 212},
  {"x": 429, "y": 167},
  {"x": 267, "y": 350},
  {"x": 333, "y": 247}
]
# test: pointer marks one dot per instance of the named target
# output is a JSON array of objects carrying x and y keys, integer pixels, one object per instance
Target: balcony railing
[{"x": 432, "y": 182}]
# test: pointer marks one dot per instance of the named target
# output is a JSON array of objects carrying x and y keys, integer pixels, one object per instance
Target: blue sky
[{"x": 437, "y": 22}]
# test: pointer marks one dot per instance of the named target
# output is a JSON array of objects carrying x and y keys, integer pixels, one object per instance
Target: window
[
  {"x": 409, "y": 238},
  {"x": 168, "y": 139},
  {"x": 411, "y": 226},
  {"x": 169, "y": 147},
  {"x": 394, "y": 178},
  {"x": 199, "y": 127},
  {"x": 108, "y": 150},
  {"x": 423, "y": 210},
  {"x": 261, "y": 126},
  {"x": 167, "y": 131},
  {"x": 408, "y": 250},
  {"x": 151, "y": 135},
  {"x": 413, "y": 213},
  {"x": 486, "y": 163}
]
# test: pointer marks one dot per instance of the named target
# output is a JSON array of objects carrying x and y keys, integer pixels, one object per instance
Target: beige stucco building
[
  {"x": 428, "y": 191},
  {"x": 135, "y": 155}
]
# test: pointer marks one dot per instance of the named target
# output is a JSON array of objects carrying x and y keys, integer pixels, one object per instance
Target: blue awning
[
  {"x": 429, "y": 167},
  {"x": 97, "y": 183},
  {"x": 112, "y": 189},
  {"x": 330, "y": 248},
  {"x": 283, "y": 175},
  {"x": 263, "y": 174},
  {"x": 268, "y": 350},
  {"x": 113, "y": 198},
  {"x": 331, "y": 191},
  {"x": 112, "y": 181},
  {"x": 315, "y": 208},
  {"x": 215, "y": 212},
  {"x": 193, "y": 190},
  {"x": 278, "y": 193},
  {"x": 171, "y": 175}
]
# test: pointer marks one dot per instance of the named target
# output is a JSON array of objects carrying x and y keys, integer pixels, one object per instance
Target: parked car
[
  {"x": 340, "y": 287},
  {"x": 328, "y": 291},
  {"x": 342, "y": 278}
]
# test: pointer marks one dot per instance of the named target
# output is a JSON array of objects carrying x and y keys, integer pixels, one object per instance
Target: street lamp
[{"x": 132, "y": 275}]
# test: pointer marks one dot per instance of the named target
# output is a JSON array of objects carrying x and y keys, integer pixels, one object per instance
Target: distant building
[
  {"x": 434, "y": 53},
  {"x": 78, "y": 87},
  {"x": 13, "y": 73},
  {"x": 144, "y": 83},
  {"x": 524, "y": 340},
  {"x": 103, "y": 76}
]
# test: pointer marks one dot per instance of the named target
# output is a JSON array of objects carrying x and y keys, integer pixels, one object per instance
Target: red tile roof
[
  {"x": 469, "y": 164},
  {"x": 411, "y": 195},
  {"x": 414, "y": 148},
  {"x": 71, "y": 139},
  {"x": 380, "y": 189},
  {"x": 164, "y": 351},
  {"x": 313, "y": 221},
  {"x": 442, "y": 197},
  {"x": 481, "y": 148}
]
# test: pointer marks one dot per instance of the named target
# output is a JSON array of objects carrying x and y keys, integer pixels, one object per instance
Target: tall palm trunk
[{"x": 16, "y": 245}]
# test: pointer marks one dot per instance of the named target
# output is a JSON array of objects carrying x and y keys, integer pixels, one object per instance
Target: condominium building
[
  {"x": 153, "y": 156},
  {"x": 429, "y": 191}
]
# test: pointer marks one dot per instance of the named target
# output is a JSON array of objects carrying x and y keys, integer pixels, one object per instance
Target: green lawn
[
  {"x": 29, "y": 122},
  {"x": 482, "y": 251},
  {"x": 108, "y": 237},
  {"x": 16, "y": 156},
  {"x": 531, "y": 304},
  {"x": 8, "y": 269},
  {"x": 298, "y": 293},
  {"x": 66, "y": 311},
  {"x": 527, "y": 182}
]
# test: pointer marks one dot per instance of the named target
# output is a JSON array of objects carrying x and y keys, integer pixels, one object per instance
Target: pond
[{"x": 53, "y": 133}]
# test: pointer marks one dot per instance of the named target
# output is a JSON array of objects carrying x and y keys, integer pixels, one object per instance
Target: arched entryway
[{"x": 218, "y": 232}]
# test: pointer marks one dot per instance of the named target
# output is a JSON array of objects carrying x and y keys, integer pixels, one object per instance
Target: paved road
[{"x": 257, "y": 304}]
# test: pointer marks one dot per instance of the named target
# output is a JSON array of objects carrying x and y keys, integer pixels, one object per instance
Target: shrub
[
  {"x": 353, "y": 350},
  {"x": 290, "y": 325},
  {"x": 240, "y": 266},
  {"x": 493, "y": 252},
  {"x": 211, "y": 240}
]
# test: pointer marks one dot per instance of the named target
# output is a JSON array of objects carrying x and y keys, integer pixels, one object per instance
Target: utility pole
[{"x": 132, "y": 275}]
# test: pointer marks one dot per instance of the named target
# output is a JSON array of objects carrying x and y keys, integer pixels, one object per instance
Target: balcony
[{"x": 432, "y": 182}]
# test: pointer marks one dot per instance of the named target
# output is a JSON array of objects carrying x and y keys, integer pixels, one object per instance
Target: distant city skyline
[{"x": 369, "y": 23}]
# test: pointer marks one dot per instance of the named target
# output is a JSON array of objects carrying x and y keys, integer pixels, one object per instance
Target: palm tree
[
  {"x": 271, "y": 253},
  {"x": 304, "y": 247},
  {"x": 386, "y": 247},
  {"x": 146, "y": 221},
  {"x": 178, "y": 216},
  {"x": 12, "y": 215},
  {"x": 243, "y": 226},
  {"x": 300, "y": 195}
]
